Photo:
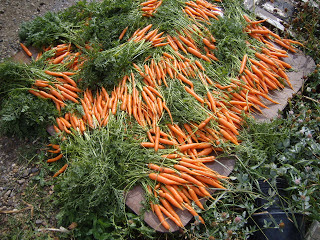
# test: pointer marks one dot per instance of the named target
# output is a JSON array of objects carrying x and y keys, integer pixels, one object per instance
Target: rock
[
  {"x": 10, "y": 202},
  {"x": 33, "y": 170},
  {"x": 25, "y": 173},
  {"x": 21, "y": 181},
  {"x": 7, "y": 193},
  {"x": 39, "y": 221}
]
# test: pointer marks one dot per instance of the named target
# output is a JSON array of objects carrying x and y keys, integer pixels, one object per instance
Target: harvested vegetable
[{"x": 167, "y": 92}]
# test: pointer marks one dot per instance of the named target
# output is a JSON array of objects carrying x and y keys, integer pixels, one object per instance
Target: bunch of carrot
[
  {"x": 150, "y": 7},
  {"x": 202, "y": 10},
  {"x": 177, "y": 187},
  {"x": 61, "y": 89}
]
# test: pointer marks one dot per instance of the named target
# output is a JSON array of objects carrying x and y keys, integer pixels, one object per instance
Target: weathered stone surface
[
  {"x": 278, "y": 12},
  {"x": 314, "y": 231}
]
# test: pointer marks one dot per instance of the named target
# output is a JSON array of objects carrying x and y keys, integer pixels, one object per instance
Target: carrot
[
  {"x": 210, "y": 181},
  {"x": 173, "y": 192},
  {"x": 41, "y": 83},
  {"x": 168, "y": 110},
  {"x": 159, "y": 178},
  {"x": 196, "y": 96},
  {"x": 60, "y": 58},
  {"x": 26, "y": 50},
  {"x": 191, "y": 179},
  {"x": 166, "y": 141},
  {"x": 284, "y": 75},
  {"x": 50, "y": 160},
  {"x": 174, "y": 178},
  {"x": 66, "y": 90},
  {"x": 61, "y": 170},
  {"x": 170, "y": 216},
  {"x": 159, "y": 214},
  {"x": 71, "y": 88},
  {"x": 169, "y": 208},
  {"x": 194, "y": 145},
  {"x": 170, "y": 199},
  {"x": 205, "y": 122},
  {"x": 185, "y": 80},
  {"x": 172, "y": 43},
  {"x": 69, "y": 80},
  {"x": 208, "y": 43},
  {"x": 195, "y": 198},
  {"x": 187, "y": 42},
  {"x": 156, "y": 141},
  {"x": 67, "y": 96},
  {"x": 265, "y": 59},
  {"x": 285, "y": 45},
  {"x": 181, "y": 193},
  {"x": 194, "y": 52},
  {"x": 148, "y": 2},
  {"x": 55, "y": 74},
  {"x": 199, "y": 65},
  {"x": 243, "y": 63},
  {"x": 180, "y": 45},
  {"x": 228, "y": 136},
  {"x": 55, "y": 151},
  {"x": 193, "y": 212},
  {"x": 167, "y": 55},
  {"x": 54, "y": 146},
  {"x": 123, "y": 32}
]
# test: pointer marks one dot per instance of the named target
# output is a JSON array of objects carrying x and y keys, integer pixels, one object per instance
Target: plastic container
[
  {"x": 283, "y": 226},
  {"x": 272, "y": 222},
  {"x": 265, "y": 188}
]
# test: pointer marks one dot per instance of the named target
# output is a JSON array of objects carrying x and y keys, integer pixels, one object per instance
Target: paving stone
[{"x": 314, "y": 231}]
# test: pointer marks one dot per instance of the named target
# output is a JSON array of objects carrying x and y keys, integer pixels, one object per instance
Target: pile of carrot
[
  {"x": 149, "y": 8},
  {"x": 177, "y": 187},
  {"x": 202, "y": 11},
  {"x": 184, "y": 58}
]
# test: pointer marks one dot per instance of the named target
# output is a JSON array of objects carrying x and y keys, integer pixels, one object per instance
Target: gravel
[{"x": 14, "y": 12}]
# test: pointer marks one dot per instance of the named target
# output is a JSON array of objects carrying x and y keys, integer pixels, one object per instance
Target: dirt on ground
[{"x": 15, "y": 12}]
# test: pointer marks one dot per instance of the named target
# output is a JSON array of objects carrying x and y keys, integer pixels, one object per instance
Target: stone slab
[{"x": 314, "y": 231}]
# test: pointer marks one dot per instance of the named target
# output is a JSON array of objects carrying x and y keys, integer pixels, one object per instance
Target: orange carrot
[
  {"x": 162, "y": 179},
  {"x": 55, "y": 158},
  {"x": 26, "y": 50},
  {"x": 174, "y": 178},
  {"x": 196, "y": 96},
  {"x": 168, "y": 206},
  {"x": 194, "y": 145},
  {"x": 170, "y": 198},
  {"x": 170, "y": 216},
  {"x": 174, "y": 193},
  {"x": 243, "y": 63},
  {"x": 123, "y": 33},
  {"x": 185, "y": 80},
  {"x": 61, "y": 170},
  {"x": 195, "y": 198},
  {"x": 67, "y": 96},
  {"x": 60, "y": 58},
  {"x": 159, "y": 214},
  {"x": 210, "y": 181},
  {"x": 193, "y": 212}
]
